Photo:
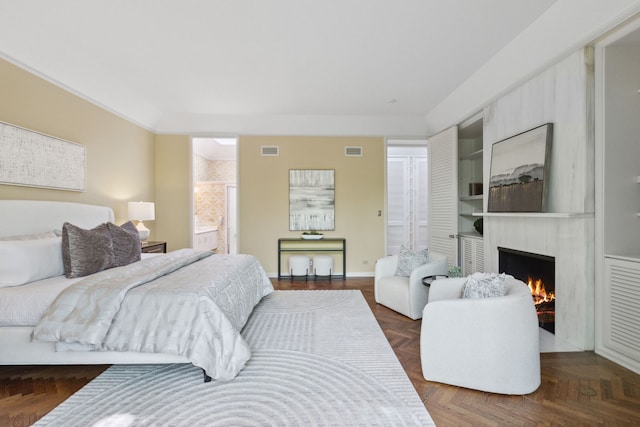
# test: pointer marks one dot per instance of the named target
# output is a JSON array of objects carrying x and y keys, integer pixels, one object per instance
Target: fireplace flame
[{"x": 539, "y": 293}]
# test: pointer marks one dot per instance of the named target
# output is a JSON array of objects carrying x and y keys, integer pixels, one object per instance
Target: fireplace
[{"x": 538, "y": 271}]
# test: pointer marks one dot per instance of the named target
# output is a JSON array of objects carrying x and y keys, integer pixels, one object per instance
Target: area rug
[{"x": 319, "y": 359}]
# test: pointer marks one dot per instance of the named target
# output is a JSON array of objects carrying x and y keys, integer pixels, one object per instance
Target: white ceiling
[{"x": 222, "y": 66}]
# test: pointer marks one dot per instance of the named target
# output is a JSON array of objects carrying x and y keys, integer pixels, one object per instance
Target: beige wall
[
  {"x": 126, "y": 162},
  {"x": 263, "y": 195},
  {"x": 120, "y": 155},
  {"x": 173, "y": 190}
]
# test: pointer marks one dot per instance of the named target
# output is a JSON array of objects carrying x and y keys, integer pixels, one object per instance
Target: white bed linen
[
  {"x": 187, "y": 302},
  {"x": 25, "y": 305}
]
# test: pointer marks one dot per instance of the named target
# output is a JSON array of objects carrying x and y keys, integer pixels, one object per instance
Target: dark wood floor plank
[{"x": 578, "y": 388}]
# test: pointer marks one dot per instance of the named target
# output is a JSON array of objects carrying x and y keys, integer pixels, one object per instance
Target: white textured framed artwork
[
  {"x": 33, "y": 159},
  {"x": 311, "y": 199}
]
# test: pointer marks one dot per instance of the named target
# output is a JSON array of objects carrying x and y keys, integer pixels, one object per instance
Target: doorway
[
  {"x": 407, "y": 195},
  {"x": 214, "y": 167}
]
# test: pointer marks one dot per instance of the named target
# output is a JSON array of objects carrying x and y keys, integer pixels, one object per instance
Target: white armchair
[
  {"x": 406, "y": 295},
  {"x": 488, "y": 344}
]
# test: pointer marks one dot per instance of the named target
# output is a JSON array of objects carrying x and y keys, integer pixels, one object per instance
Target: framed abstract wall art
[{"x": 311, "y": 199}]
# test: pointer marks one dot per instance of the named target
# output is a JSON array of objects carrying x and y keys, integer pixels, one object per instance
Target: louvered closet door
[{"x": 443, "y": 194}]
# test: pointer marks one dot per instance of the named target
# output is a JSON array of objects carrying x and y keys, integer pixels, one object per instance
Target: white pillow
[
  {"x": 34, "y": 236},
  {"x": 24, "y": 261}
]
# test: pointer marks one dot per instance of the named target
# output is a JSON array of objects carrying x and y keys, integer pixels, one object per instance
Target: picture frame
[
  {"x": 519, "y": 171},
  {"x": 311, "y": 199},
  {"x": 33, "y": 159}
]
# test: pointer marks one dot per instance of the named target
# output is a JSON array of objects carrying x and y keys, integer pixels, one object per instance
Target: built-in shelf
[
  {"x": 473, "y": 234},
  {"x": 625, "y": 257},
  {"x": 476, "y": 197},
  {"x": 470, "y": 175},
  {"x": 472, "y": 156},
  {"x": 470, "y": 214},
  {"x": 537, "y": 214}
]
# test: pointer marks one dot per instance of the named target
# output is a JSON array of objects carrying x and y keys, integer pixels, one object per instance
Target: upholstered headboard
[{"x": 34, "y": 216}]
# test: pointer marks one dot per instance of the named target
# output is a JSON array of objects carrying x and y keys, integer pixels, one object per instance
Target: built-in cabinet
[
  {"x": 618, "y": 203},
  {"x": 471, "y": 254},
  {"x": 206, "y": 239},
  {"x": 470, "y": 194},
  {"x": 622, "y": 323},
  {"x": 456, "y": 193}
]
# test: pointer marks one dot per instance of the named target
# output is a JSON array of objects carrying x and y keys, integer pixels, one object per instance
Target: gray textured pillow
[
  {"x": 126, "y": 243},
  {"x": 86, "y": 252},
  {"x": 408, "y": 260},
  {"x": 484, "y": 287}
]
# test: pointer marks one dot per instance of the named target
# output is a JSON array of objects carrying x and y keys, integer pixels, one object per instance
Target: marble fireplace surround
[
  {"x": 563, "y": 95},
  {"x": 569, "y": 239}
]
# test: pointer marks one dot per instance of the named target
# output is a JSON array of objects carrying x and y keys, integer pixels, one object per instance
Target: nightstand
[{"x": 149, "y": 247}]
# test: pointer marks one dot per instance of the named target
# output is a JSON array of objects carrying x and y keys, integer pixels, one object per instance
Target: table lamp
[{"x": 142, "y": 211}]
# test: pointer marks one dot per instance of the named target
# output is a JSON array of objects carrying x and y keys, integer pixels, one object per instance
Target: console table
[{"x": 328, "y": 244}]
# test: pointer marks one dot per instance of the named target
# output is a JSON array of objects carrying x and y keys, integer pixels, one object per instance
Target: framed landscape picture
[
  {"x": 311, "y": 199},
  {"x": 520, "y": 170}
]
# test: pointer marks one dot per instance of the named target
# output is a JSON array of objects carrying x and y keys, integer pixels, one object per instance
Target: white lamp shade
[{"x": 142, "y": 211}]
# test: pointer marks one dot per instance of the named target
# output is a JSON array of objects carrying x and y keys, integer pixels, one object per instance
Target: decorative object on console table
[
  {"x": 142, "y": 211},
  {"x": 312, "y": 235},
  {"x": 150, "y": 247}
]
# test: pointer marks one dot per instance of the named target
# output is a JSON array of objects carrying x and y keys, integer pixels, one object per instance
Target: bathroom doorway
[{"x": 214, "y": 168}]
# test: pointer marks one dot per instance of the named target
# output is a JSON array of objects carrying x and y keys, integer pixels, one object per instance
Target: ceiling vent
[
  {"x": 270, "y": 150},
  {"x": 353, "y": 151}
]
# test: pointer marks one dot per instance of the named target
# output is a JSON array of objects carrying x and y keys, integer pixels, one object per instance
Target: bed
[{"x": 204, "y": 299}]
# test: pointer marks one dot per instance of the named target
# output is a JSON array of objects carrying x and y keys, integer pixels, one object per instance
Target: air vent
[
  {"x": 353, "y": 151},
  {"x": 270, "y": 150}
]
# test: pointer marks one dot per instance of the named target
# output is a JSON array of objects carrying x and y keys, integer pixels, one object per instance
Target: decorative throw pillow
[
  {"x": 408, "y": 260},
  {"x": 484, "y": 286},
  {"x": 126, "y": 243},
  {"x": 86, "y": 252}
]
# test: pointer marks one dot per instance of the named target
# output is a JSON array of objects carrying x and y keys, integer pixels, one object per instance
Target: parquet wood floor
[{"x": 578, "y": 389}]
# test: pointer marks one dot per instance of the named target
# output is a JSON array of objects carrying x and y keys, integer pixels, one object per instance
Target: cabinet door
[
  {"x": 466, "y": 257},
  {"x": 622, "y": 309},
  {"x": 472, "y": 256},
  {"x": 443, "y": 194}
]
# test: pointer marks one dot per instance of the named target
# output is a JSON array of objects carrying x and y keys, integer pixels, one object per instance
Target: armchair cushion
[
  {"x": 409, "y": 260},
  {"x": 480, "y": 285}
]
